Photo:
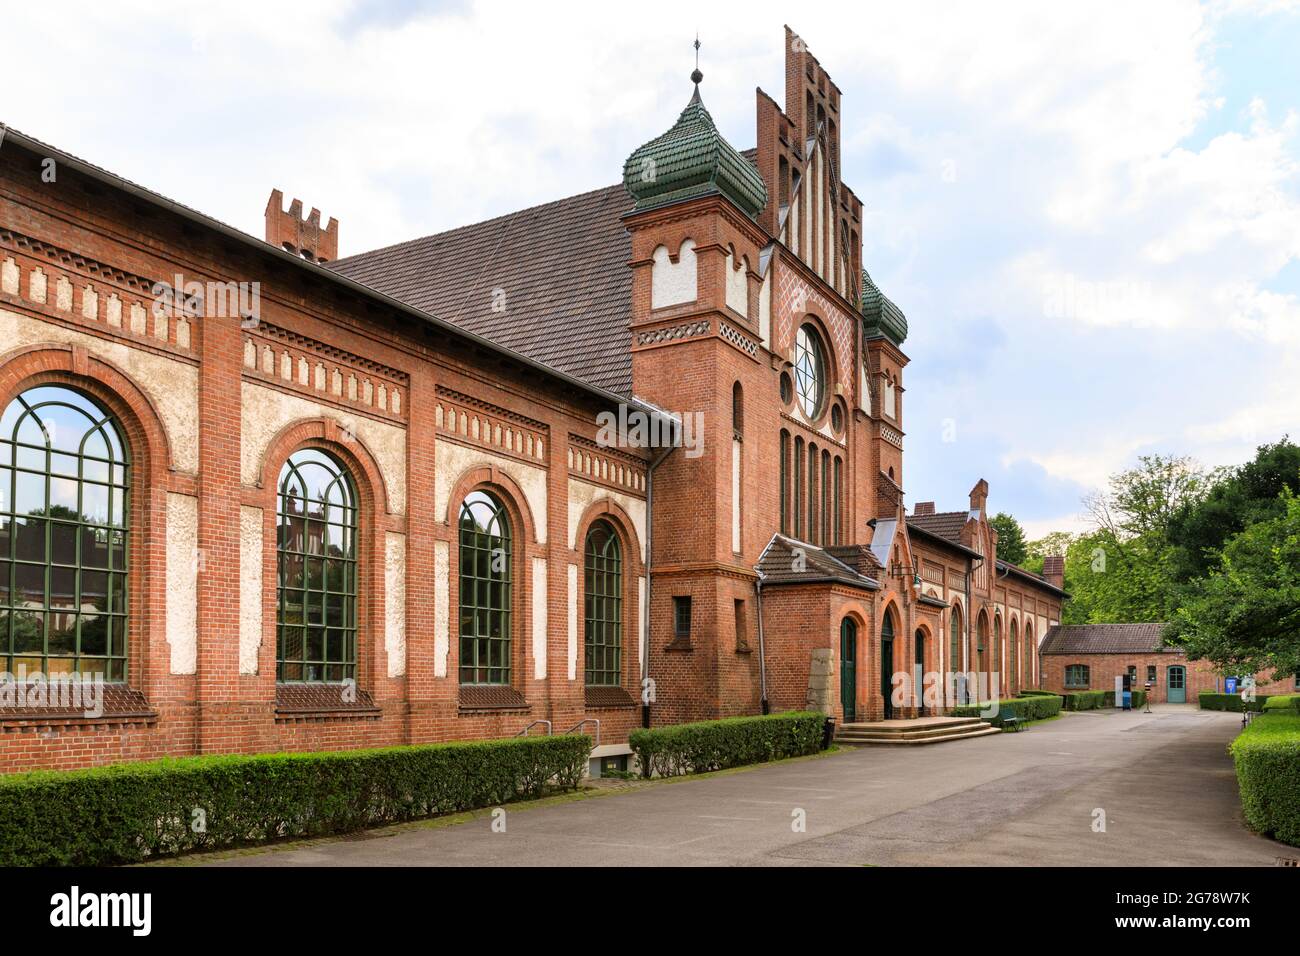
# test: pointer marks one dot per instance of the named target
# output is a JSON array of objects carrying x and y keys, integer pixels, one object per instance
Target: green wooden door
[
  {"x": 849, "y": 669},
  {"x": 918, "y": 675},
  {"x": 1177, "y": 685}
]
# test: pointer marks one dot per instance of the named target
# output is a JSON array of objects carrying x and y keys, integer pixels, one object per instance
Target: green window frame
[
  {"x": 1013, "y": 639},
  {"x": 1077, "y": 676},
  {"x": 486, "y": 561},
  {"x": 810, "y": 371},
  {"x": 954, "y": 639},
  {"x": 316, "y": 565},
  {"x": 64, "y": 536},
  {"x": 785, "y": 481},
  {"x": 604, "y": 607}
]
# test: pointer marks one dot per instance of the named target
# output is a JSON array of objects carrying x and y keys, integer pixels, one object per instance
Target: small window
[
  {"x": 737, "y": 410},
  {"x": 1297, "y": 680},
  {"x": 787, "y": 389},
  {"x": 682, "y": 617},
  {"x": 837, "y": 418},
  {"x": 1076, "y": 676},
  {"x": 1151, "y": 673},
  {"x": 1132, "y": 674}
]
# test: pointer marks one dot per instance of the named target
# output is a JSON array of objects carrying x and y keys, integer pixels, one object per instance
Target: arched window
[
  {"x": 485, "y": 560},
  {"x": 785, "y": 482},
  {"x": 997, "y": 652},
  {"x": 1029, "y": 653},
  {"x": 954, "y": 639},
  {"x": 798, "y": 487},
  {"x": 810, "y": 371},
  {"x": 316, "y": 556},
  {"x": 1013, "y": 638},
  {"x": 813, "y": 524},
  {"x": 737, "y": 410},
  {"x": 604, "y": 580},
  {"x": 64, "y": 529}
]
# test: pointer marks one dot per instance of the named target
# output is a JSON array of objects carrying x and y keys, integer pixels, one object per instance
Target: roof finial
[{"x": 696, "y": 75}]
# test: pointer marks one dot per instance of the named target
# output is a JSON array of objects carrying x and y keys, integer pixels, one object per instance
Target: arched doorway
[
  {"x": 849, "y": 669},
  {"x": 887, "y": 663},
  {"x": 918, "y": 671}
]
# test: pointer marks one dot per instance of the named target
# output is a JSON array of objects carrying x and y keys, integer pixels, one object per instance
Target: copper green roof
[
  {"x": 879, "y": 314},
  {"x": 692, "y": 159}
]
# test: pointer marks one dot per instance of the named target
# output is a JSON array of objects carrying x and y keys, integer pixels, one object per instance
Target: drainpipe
[
  {"x": 649, "y": 579},
  {"x": 970, "y": 569},
  {"x": 762, "y": 650}
]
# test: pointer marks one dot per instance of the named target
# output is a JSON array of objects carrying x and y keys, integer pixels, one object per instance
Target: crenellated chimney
[
  {"x": 303, "y": 237},
  {"x": 1054, "y": 570}
]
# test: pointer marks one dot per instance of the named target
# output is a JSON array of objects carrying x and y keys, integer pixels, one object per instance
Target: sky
[{"x": 1090, "y": 213}]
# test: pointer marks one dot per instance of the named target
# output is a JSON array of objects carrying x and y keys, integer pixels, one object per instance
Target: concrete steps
[{"x": 912, "y": 732}]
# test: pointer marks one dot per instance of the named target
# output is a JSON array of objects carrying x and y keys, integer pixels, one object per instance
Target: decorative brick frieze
[
  {"x": 308, "y": 366},
  {"x": 477, "y": 422},
  {"x": 673, "y": 333},
  {"x": 606, "y": 466},
  {"x": 83, "y": 290},
  {"x": 739, "y": 339}
]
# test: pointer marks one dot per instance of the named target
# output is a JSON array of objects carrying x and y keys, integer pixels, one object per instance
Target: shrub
[
  {"x": 1232, "y": 702},
  {"x": 1267, "y": 757},
  {"x": 1139, "y": 699},
  {"x": 1038, "y": 693},
  {"x": 733, "y": 742},
  {"x": 129, "y": 812},
  {"x": 1283, "y": 702},
  {"x": 1033, "y": 707},
  {"x": 1085, "y": 699}
]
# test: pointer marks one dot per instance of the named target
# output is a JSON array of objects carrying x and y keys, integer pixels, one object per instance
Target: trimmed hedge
[
  {"x": 1086, "y": 699},
  {"x": 1032, "y": 707},
  {"x": 1209, "y": 700},
  {"x": 1284, "y": 702},
  {"x": 1031, "y": 692},
  {"x": 1139, "y": 699},
  {"x": 125, "y": 813},
  {"x": 732, "y": 742},
  {"x": 1267, "y": 757}
]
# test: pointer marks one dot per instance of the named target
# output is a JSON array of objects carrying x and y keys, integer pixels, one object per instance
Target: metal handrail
[
  {"x": 524, "y": 732},
  {"x": 588, "y": 720}
]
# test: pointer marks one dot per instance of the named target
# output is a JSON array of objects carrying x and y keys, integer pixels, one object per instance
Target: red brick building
[
  {"x": 632, "y": 456},
  {"x": 1091, "y": 656}
]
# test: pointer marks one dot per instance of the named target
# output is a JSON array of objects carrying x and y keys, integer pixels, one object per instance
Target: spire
[{"x": 696, "y": 75}]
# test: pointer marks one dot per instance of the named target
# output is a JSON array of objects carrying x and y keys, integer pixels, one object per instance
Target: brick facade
[
  {"x": 1200, "y": 676},
  {"x": 421, "y": 414}
]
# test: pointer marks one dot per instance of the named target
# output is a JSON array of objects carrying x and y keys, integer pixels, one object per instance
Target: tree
[
  {"x": 1245, "y": 616},
  {"x": 1243, "y": 496},
  {"x": 1011, "y": 537},
  {"x": 1055, "y": 543}
]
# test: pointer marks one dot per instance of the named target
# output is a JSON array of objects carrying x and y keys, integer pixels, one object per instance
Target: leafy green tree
[
  {"x": 1011, "y": 537},
  {"x": 1054, "y": 543},
  {"x": 1245, "y": 616},
  {"x": 1242, "y": 496}
]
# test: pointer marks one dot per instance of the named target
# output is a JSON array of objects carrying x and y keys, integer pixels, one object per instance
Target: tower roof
[
  {"x": 880, "y": 316},
  {"x": 692, "y": 159}
]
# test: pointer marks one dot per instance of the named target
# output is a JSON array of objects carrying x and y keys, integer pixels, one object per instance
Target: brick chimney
[
  {"x": 979, "y": 496},
  {"x": 923, "y": 508},
  {"x": 302, "y": 237},
  {"x": 1054, "y": 570}
]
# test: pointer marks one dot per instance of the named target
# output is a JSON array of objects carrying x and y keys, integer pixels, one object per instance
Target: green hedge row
[
  {"x": 1032, "y": 707},
  {"x": 1086, "y": 699},
  {"x": 1139, "y": 698},
  {"x": 733, "y": 742},
  {"x": 129, "y": 812},
  {"x": 1233, "y": 702},
  {"x": 1283, "y": 702},
  {"x": 1267, "y": 758},
  {"x": 1032, "y": 692}
]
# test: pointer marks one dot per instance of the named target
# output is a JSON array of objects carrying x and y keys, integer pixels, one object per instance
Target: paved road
[{"x": 1164, "y": 781}]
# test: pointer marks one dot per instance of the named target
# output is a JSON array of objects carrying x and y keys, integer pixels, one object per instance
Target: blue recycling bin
[{"x": 1128, "y": 700}]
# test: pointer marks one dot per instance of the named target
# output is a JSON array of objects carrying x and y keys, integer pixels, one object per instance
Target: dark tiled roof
[
  {"x": 1028, "y": 575},
  {"x": 943, "y": 524},
  {"x": 562, "y": 269},
  {"x": 323, "y": 699},
  {"x": 1104, "y": 639},
  {"x": 780, "y": 565}
]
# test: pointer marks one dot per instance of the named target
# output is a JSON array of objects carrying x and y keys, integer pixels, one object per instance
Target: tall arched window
[
  {"x": 1013, "y": 638},
  {"x": 1029, "y": 653},
  {"x": 485, "y": 560},
  {"x": 813, "y": 523},
  {"x": 954, "y": 639},
  {"x": 737, "y": 410},
  {"x": 316, "y": 547},
  {"x": 798, "y": 487},
  {"x": 997, "y": 653},
  {"x": 64, "y": 528},
  {"x": 785, "y": 481},
  {"x": 604, "y": 629}
]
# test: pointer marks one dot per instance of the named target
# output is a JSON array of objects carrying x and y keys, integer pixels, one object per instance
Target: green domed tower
[
  {"x": 880, "y": 316},
  {"x": 692, "y": 159}
]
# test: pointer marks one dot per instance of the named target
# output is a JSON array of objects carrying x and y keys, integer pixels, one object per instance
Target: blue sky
[{"x": 1091, "y": 216}]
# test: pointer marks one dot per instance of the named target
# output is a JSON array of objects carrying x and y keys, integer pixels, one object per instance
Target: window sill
[
  {"x": 680, "y": 644},
  {"x": 607, "y": 697},
  {"x": 121, "y": 705},
  {"x": 306, "y": 701},
  {"x": 477, "y": 698}
]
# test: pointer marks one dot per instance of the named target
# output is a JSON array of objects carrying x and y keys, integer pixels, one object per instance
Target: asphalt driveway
[{"x": 1162, "y": 784}]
